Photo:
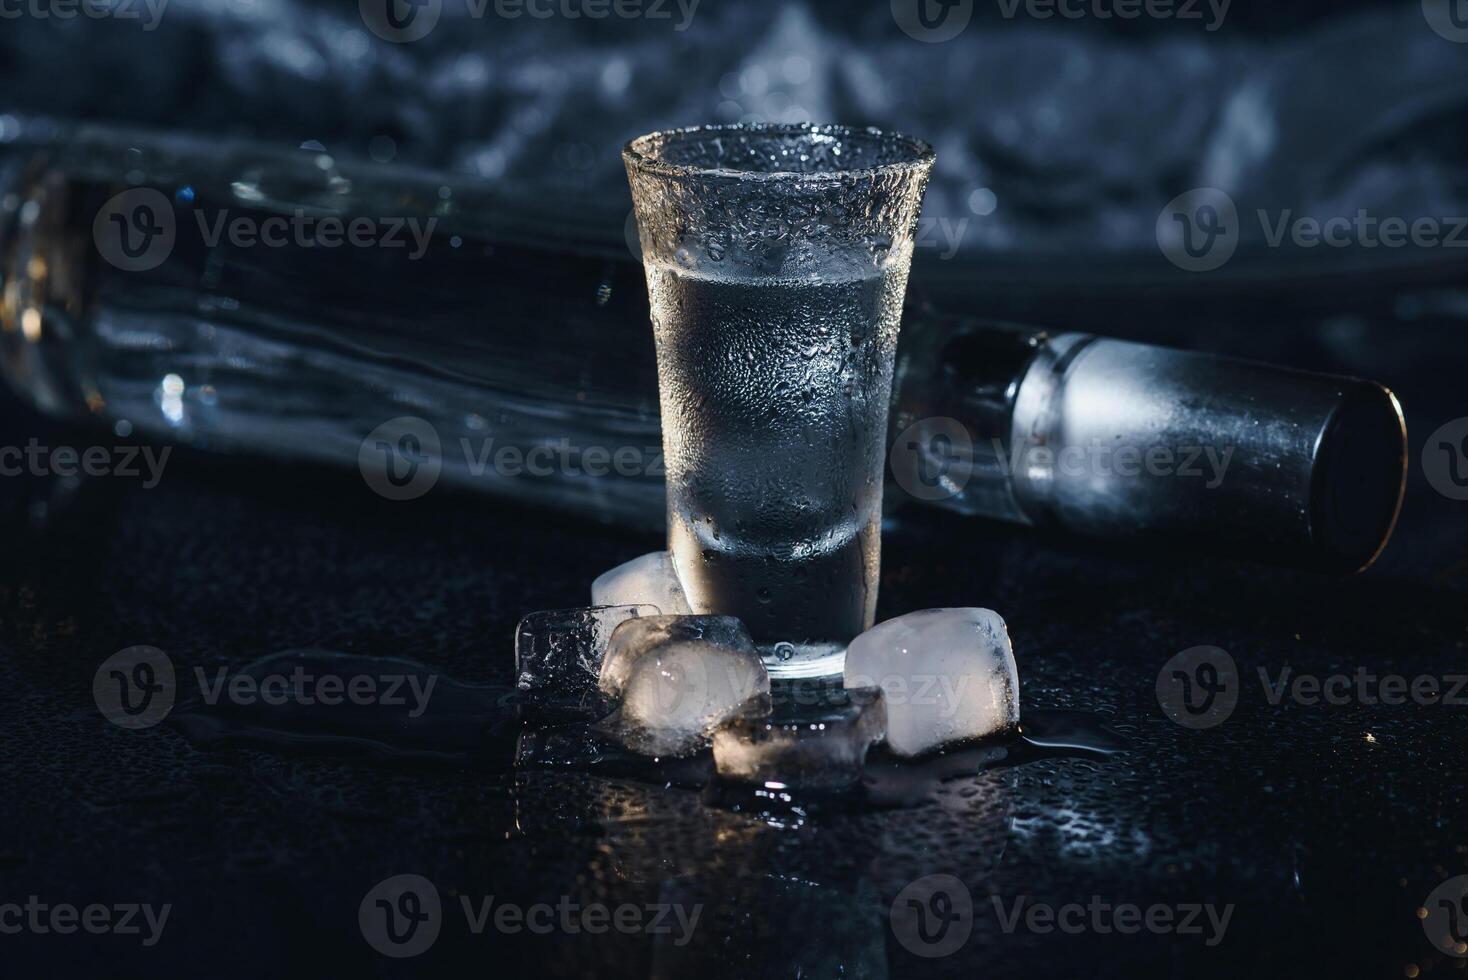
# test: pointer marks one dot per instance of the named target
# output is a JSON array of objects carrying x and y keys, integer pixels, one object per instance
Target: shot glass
[{"x": 776, "y": 261}]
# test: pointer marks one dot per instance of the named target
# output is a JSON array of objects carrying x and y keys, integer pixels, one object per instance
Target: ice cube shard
[
  {"x": 648, "y": 580},
  {"x": 558, "y": 652},
  {"x": 678, "y": 678},
  {"x": 819, "y": 747},
  {"x": 946, "y": 674}
]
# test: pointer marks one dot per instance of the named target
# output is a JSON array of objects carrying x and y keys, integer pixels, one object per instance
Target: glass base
[{"x": 801, "y": 660}]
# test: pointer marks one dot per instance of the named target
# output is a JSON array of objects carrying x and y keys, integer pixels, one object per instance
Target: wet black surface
[{"x": 1324, "y": 827}]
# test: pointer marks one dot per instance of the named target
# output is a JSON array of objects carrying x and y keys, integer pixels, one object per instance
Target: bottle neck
[{"x": 958, "y": 380}]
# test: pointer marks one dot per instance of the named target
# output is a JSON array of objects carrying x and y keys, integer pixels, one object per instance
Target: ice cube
[
  {"x": 820, "y": 746},
  {"x": 946, "y": 674},
  {"x": 558, "y": 652},
  {"x": 649, "y": 580},
  {"x": 678, "y": 678}
]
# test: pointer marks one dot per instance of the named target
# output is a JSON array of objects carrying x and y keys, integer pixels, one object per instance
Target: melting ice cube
[
  {"x": 946, "y": 674},
  {"x": 820, "y": 746},
  {"x": 678, "y": 678},
  {"x": 558, "y": 652},
  {"x": 649, "y": 580}
]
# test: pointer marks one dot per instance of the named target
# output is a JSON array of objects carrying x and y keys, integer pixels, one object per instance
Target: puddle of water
[{"x": 397, "y": 709}]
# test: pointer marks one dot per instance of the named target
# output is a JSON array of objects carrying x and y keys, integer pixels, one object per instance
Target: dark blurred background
[
  {"x": 1057, "y": 136},
  {"x": 1065, "y": 146}
]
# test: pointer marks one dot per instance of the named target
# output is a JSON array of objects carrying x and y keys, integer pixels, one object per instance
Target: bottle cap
[{"x": 1113, "y": 439}]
